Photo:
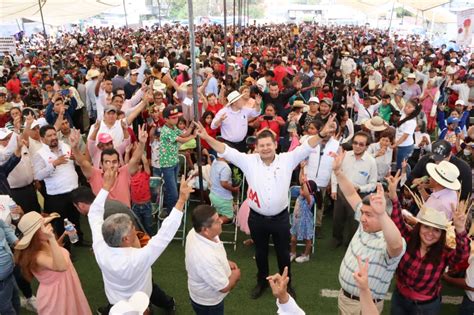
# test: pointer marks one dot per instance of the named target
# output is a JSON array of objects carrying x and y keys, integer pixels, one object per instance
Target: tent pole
[
  {"x": 233, "y": 28},
  {"x": 225, "y": 39},
  {"x": 45, "y": 37},
  {"x": 125, "y": 11},
  {"x": 391, "y": 16},
  {"x": 195, "y": 94}
]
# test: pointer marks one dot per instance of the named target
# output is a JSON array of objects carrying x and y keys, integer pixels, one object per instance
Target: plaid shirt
[{"x": 418, "y": 277}]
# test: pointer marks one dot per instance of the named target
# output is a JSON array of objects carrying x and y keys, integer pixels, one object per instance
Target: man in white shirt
[
  {"x": 53, "y": 165},
  {"x": 211, "y": 276},
  {"x": 361, "y": 169},
  {"x": 91, "y": 84},
  {"x": 125, "y": 266},
  {"x": 268, "y": 175},
  {"x": 233, "y": 120},
  {"x": 347, "y": 65},
  {"x": 365, "y": 110}
]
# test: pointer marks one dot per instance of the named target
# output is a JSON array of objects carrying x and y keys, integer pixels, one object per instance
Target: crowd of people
[{"x": 373, "y": 127}]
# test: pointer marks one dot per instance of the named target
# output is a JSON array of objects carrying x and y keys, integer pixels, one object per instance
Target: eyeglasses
[{"x": 360, "y": 144}]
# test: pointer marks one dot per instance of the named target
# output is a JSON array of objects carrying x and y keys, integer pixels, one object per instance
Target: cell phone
[
  {"x": 65, "y": 92},
  {"x": 267, "y": 117},
  {"x": 149, "y": 121}
]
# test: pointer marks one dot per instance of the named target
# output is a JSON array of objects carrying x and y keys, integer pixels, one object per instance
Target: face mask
[{"x": 467, "y": 152}]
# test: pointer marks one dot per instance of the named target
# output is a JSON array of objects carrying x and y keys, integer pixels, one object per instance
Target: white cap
[
  {"x": 411, "y": 76},
  {"x": 460, "y": 102},
  {"x": 453, "y": 60},
  {"x": 4, "y": 132},
  {"x": 135, "y": 305},
  {"x": 134, "y": 71},
  {"x": 313, "y": 99}
]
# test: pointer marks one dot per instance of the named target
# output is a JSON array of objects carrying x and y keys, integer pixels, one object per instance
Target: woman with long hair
[
  {"x": 39, "y": 255},
  {"x": 418, "y": 289},
  {"x": 406, "y": 126}
]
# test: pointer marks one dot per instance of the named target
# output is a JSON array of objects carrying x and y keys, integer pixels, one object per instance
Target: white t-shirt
[
  {"x": 208, "y": 269},
  {"x": 407, "y": 127}
]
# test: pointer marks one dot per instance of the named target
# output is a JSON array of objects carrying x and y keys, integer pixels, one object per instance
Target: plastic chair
[
  {"x": 234, "y": 230},
  {"x": 292, "y": 196},
  {"x": 156, "y": 187}
]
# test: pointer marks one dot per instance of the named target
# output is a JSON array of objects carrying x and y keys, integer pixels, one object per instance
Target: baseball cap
[
  {"x": 411, "y": 76},
  {"x": 4, "y": 132},
  {"x": 460, "y": 102},
  {"x": 3, "y": 90},
  {"x": 110, "y": 108},
  {"x": 172, "y": 112},
  {"x": 134, "y": 71},
  {"x": 440, "y": 150},
  {"x": 313, "y": 99},
  {"x": 104, "y": 138}
]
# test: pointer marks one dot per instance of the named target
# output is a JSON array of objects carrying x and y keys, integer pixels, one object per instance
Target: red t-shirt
[
  {"x": 120, "y": 191},
  {"x": 140, "y": 187},
  {"x": 212, "y": 133},
  {"x": 14, "y": 86},
  {"x": 214, "y": 108},
  {"x": 271, "y": 124}
]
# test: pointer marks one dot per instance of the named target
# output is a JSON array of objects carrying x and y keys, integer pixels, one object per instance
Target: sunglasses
[{"x": 360, "y": 144}]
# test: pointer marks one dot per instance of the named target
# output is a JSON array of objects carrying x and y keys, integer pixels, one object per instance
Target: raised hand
[
  {"x": 330, "y": 126},
  {"x": 29, "y": 120},
  {"x": 97, "y": 125},
  {"x": 279, "y": 284},
  {"x": 201, "y": 131},
  {"x": 110, "y": 176},
  {"x": 338, "y": 158},
  {"x": 361, "y": 276},
  {"x": 184, "y": 189},
  {"x": 393, "y": 184},
  {"x": 74, "y": 138},
  {"x": 460, "y": 214},
  {"x": 377, "y": 201},
  {"x": 142, "y": 134}
]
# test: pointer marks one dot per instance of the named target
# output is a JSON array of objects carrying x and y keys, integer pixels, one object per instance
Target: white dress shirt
[
  {"x": 268, "y": 184},
  {"x": 22, "y": 174},
  {"x": 234, "y": 127},
  {"x": 126, "y": 270},
  {"x": 208, "y": 269},
  {"x": 289, "y": 308},
  {"x": 116, "y": 132},
  {"x": 364, "y": 113},
  {"x": 361, "y": 172}
]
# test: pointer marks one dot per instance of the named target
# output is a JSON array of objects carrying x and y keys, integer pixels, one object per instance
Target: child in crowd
[
  {"x": 188, "y": 147},
  {"x": 302, "y": 226},
  {"x": 141, "y": 195},
  {"x": 383, "y": 153},
  {"x": 206, "y": 120},
  {"x": 221, "y": 190}
]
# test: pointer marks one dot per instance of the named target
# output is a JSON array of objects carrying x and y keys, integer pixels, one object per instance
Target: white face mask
[{"x": 467, "y": 152}]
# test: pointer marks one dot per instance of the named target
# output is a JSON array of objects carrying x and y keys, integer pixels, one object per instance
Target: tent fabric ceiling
[
  {"x": 421, "y": 5},
  {"x": 55, "y": 12}
]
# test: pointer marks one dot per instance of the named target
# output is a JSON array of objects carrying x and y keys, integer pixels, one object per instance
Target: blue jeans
[
  {"x": 208, "y": 310},
  {"x": 467, "y": 306},
  {"x": 403, "y": 153},
  {"x": 9, "y": 298},
  {"x": 170, "y": 176},
  {"x": 143, "y": 212},
  {"x": 404, "y": 306}
]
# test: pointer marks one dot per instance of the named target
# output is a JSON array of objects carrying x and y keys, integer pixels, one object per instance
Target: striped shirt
[{"x": 371, "y": 246}]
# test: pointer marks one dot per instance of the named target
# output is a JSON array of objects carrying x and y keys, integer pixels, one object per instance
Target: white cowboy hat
[
  {"x": 135, "y": 305},
  {"x": 92, "y": 73},
  {"x": 434, "y": 218},
  {"x": 233, "y": 97},
  {"x": 444, "y": 173},
  {"x": 159, "y": 86},
  {"x": 376, "y": 123}
]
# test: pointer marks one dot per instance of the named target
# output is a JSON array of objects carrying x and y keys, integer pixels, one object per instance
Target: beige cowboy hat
[
  {"x": 92, "y": 73},
  {"x": 434, "y": 218},
  {"x": 29, "y": 224},
  {"x": 376, "y": 123},
  {"x": 233, "y": 97},
  {"x": 299, "y": 104},
  {"x": 444, "y": 173},
  {"x": 159, "y": 86}
]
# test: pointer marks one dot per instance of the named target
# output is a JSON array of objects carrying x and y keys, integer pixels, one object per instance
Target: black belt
[
  {"x": 355, "y": 297},
  {"x": 284, "y": 211}
]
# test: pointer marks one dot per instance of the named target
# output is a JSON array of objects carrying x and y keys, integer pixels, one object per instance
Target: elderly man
[
  {"x": 377, "y": 239},
  {"x": 268, "y": 175},
  {"x": 126, "y": 268},
  {"x": 211, "y": 276}
]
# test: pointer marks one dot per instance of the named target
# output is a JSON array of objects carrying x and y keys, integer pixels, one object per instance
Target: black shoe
[
  {"x": 171, "y": 310},
  {"x": 103, "y": 310},
  {"x": 291, "y": 292},
  {"x": 257, "y": 291}
]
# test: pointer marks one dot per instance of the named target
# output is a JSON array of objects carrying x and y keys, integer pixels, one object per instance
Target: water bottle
[
  {"x": 12, "y": 206},
  {"x": 69, "y": 227}
]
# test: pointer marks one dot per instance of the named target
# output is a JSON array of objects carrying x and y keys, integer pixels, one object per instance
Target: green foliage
[{"x": 402, "y": 12}]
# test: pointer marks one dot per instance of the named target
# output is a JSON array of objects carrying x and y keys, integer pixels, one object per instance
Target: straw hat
[
  {"x": 29, "y": 224},
  {"x": 299, "y": 104},
  {"x": 135, "y": 305},
  {"x": 233, "y": 97},
  {"x": 376, "y": 123},
  {"x": 434, "y": 218},
  {"x": 92, "y": 73},
  {"x": 444, "y": 173},
  {"x": 159, "y": 86}
]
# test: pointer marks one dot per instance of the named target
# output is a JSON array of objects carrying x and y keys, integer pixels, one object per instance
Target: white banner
[
  {"x": 7, "y": 44},
  {"x": 465, "y": 28}
]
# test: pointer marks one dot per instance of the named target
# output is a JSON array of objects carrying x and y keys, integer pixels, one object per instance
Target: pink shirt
[{"x": 121, "y": 189}]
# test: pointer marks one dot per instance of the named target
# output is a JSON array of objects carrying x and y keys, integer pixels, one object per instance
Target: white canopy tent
[{"x": 55, "y": 12}]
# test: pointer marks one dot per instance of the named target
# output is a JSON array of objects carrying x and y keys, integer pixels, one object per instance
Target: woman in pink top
[
  {"x": 427, "y": 99},
  {"x": 39, "y": 255}
]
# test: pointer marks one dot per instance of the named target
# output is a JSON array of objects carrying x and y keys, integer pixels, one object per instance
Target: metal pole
[
  {"x": 45, "y": 37},
  {"x": 159, "y": 13},
  {"x": 125, "y": 11},
  {"x": 239, "y": 8},
  {"x": 225, "y": 38},
  {"x": 195, "y": 94},
  {"x": 233, "y": 28},
  {"x": 391, "y": 16}
]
